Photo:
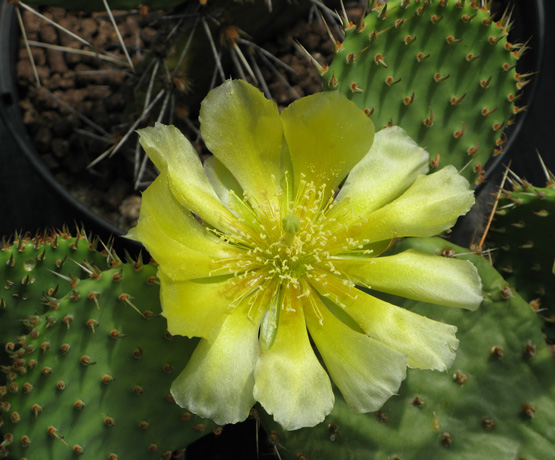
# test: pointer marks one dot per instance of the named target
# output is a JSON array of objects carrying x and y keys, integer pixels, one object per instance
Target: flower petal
[
  {"x": 366, "y": 371},
  {"x": 419, "y": 276},
  {"x": 327, "y": 135},
  {"x": 174, "y": 155},
  {"x": 243, "y": 130},
  {"x": 175, "y": 239},
  {"x": 217, "y": 382},
  {"x": 390, "y": 167},
  {"x": 428, "y": 344},
  {"x": 221, "y": 179},
  {"x": 289, "y": 381},
  {"x": 195, "y": 308},
  {"x": 431, "y": 205}
]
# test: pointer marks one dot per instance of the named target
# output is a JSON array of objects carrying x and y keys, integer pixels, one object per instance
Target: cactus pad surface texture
[
  {"x": 523, "y": 238},
  {"x": 496, "y": 402},
  {"x": 91, "y": 376},
  {"x": 441, "y": 69}
]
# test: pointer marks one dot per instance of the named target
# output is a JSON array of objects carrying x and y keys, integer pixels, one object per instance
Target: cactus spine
[{"x": 443, "y": 70}]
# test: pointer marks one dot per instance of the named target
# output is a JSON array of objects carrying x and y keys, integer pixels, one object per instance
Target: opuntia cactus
[
  {"x": 35, "y": 269},
  {"x": 443, "y": 70},
  {"x": 521, "y": 238},
  {"x": 92, "y": 375}
]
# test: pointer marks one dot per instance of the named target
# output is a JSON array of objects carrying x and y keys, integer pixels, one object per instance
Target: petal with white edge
[
  {"x": 174, "y": 155},
  {"x": 428, "y": 344},
  {"x": 366, "y": 371},
  {"x": 327, "y": 135},
  {"x": 243, "y": 130},
  {"x": 218, "y": 381},
  {"x": 290, "y": 383},
  {"x": 387, "y": 170},
  {"x": 175, "y": 239},
  {"x": 429, "y": 206},
  {"x": 419, "y": 276}
]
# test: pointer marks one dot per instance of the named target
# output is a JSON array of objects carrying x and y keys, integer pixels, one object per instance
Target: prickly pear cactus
[
  {"x": 523, "y": 238},
  {"x": 443, "y": 70},
  {"x": 496, "y": 402},
  {"x": 91, "y": 377},
  {"x": 33, "y": 269}
]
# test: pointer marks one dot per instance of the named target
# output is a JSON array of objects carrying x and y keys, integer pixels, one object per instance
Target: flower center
[{"x": 288, "y": 246}]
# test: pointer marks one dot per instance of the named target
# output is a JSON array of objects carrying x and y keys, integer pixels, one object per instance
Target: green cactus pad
[
  {"x": 442, "y": 70},
  {"x": 92, "y": 377},
  {"x": 496, "y": 402},
  {"x": 523, "y": 238},
  {"x": 32, "y": 269}
]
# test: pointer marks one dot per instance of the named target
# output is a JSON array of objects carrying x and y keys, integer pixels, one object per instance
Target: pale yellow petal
[
  {"x": 327, "y": 135},
  {"x": 243, "y": 130},
  {"x": 218, "y": 381},
  {"x": 390, "y": 167},
  {"x": 176, "y": 240},
  {"x": 195, "y": 308},
  {"x": 174, "y": 155},
  {"x": 428, "y": 344},
  {"x": 431, "y": 205},
  {"x": 419, "y": 276},
  {"x": 221, "y": 179},
  {"x": 366, "y": 371},
  {"x": 290, "y": 383}
]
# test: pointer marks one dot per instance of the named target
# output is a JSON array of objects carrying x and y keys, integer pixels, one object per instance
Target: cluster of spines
[
  {"x": 394, "y": 47},
  {"x": 521, "y": 231},
  {"x": 82, "y": 356}
]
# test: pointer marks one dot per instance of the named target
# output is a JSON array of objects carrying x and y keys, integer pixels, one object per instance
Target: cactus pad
[
  {"x": 523, "y": 236},
  {"x": 443, "y": 70},
  {"x": 92, "y": 376},
  {"x": 32, "y": 269}
]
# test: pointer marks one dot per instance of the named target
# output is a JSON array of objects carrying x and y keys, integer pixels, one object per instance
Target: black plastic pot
[
  {"x": 529, "y": 26},
  {"x": 32, "y": 199}
]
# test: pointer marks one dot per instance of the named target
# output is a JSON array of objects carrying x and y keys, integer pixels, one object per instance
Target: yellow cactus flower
[{"x": 264, "y": 259}]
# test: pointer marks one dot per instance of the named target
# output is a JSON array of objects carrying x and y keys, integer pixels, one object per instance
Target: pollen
[{"x": 285, "y": 244}]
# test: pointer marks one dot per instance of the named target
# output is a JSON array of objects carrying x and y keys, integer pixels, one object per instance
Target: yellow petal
[
  {"x": 366, "y": 371},
  {"x": 431, "y": 205},
  {"x": 221, "y": 179},
  {"x": 176, "y": 240},
  {"x": 243, "y": 130},
  {"x": 290, "y": 383},
  {"x": 390, "y": 167},
  {"x": 195, "y": 308},
  {"x": 419, "y": 276},
  {"x": 174, "y": 155},
  {"x": 326, "y": 135},
  {"x": 218, "y": 381},
  {"x": 428, "y": 344}
]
